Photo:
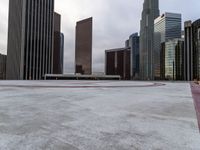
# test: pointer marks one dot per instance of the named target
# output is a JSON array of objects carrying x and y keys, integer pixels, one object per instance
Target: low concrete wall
[{"x": 196, "y": 96}]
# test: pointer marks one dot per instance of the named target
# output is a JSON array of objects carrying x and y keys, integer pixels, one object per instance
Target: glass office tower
[
  {"x": 30, "y": 39},
  {"x": 188, "y": 52},
  {"x": 3, "y": 66},
  {"x": 196, "y": 49},
  {"x": 166, "y": 27},
  {"x": 58, "y": 52},
  {"x": 62, "y": 52},
  {"x": 192, "y": 50},
  {"x": 174, "y": 59},
  {"x": 134, "y": 42},
  {"x": 149, "y": 13},
  {"x": 83, "y": 52}
]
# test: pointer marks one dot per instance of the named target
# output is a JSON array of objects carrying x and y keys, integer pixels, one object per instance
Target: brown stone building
[
  {"x": 117, "y": 62},
  {"x": 83, "y": 52}
]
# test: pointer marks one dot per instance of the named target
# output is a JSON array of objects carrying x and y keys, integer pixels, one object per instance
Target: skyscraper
[
  {"x": 134, "y": 42},
  {"x": 57, "y": 51},
  {"x": 83, "y": 52},
  {"x": 173, "y": 66},
  {"x": 2, "y": 67},
  {"x": 196, "y": 49},
  {"x": 166, "y": 27},
  {"x": 30, "y": 39},
  {"x": 192, "y": 50},
  {"x": 62, "y": 52},
  {"x": 162, "y": 62},
  {"x": 188, "y": 51},
  {"x": 150, "y": 12}
]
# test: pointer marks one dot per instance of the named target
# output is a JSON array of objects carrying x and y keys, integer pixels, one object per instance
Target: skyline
[{"x": 111, "y": 26}]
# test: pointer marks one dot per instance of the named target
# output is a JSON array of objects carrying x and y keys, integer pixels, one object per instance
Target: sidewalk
[{"x": 196, "y": 96}]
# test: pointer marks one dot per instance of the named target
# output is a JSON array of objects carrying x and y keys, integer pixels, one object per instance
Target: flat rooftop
[{"x": 97, "y": 115}]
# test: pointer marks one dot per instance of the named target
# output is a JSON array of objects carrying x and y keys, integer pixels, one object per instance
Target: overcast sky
[{"x": 113, "y": 22}]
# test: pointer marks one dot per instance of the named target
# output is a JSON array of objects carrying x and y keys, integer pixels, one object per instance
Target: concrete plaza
[{"x": 97, "y": 115}]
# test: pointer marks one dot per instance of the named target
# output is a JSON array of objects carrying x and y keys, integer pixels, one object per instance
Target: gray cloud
[{"x": 114, "y": 21}]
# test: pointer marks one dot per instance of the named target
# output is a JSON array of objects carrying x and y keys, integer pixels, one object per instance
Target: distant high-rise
[
  {"x": 192, "y": 50},
  {"x": 83, "y": 52},
  {"x": 62, "y": 52},
  {"x": 150, "y": 12},
  {"x": 117, "y": 62},
  {"x": 127, "y": 43},
  {"x": 173, "y": 58},
  {"x": 58, "y": 51},
  {"x": 162, "y": 61},
  {"x": 30, "y": 39},
  {"x": 3, "y": 67},
  {"x": 188, "y": 52},
  {"x": 166, "y": 27},
  {"x": 134, "y": 42},
  {"x": 196, "y": 49}
]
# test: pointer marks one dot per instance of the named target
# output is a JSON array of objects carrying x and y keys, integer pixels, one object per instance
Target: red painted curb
[{"x": 196, "y": 96}]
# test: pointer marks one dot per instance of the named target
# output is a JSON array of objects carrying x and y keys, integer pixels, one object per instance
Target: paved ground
[
  {"x": 196, "y": 96},
  {"x": 97, "y": 115}
]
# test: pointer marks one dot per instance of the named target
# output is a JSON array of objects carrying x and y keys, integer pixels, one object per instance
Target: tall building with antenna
[{"x": 149, "y": 13}]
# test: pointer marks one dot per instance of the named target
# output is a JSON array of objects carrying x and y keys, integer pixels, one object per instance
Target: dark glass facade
[
  {"x": 134, "y": 42},
  {"x": 196, "y": 49},
  {"x": 179, "y": 60},
  {"x": 62, "y": 52},
  {"x": 188, "y": 52},
  {"x": 83, "y": 52},
  {"x": 172, "y": 60},
  {"x": 58, "y": 51},
  {"x": 162, "y": 62},
  {"x": 118, "y": 62},
  {"x": 3, "y": 67},
  {"x": 30, "y": 39},
  {"x": 192, "y": 50}
]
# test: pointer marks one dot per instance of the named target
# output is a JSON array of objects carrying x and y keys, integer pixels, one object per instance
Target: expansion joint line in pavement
[{"x": 82, "y": 86}]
